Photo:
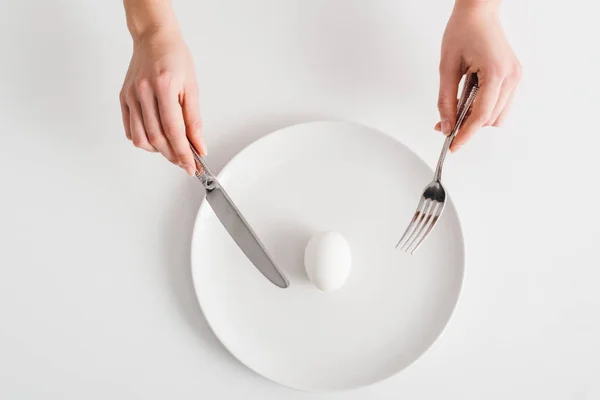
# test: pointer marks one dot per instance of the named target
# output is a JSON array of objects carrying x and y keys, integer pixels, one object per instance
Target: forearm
[
  {"x": 145, "y": 17},
  {"x": 477, "y": 4}
]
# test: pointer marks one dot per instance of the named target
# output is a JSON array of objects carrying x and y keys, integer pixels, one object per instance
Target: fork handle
[{"x": 469, "y": 92}]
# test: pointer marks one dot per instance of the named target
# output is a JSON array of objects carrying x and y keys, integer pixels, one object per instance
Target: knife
[{"x": 235, "y": 224}]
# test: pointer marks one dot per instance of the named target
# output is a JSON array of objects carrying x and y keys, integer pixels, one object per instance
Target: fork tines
[{"x": 425, "y": 218}]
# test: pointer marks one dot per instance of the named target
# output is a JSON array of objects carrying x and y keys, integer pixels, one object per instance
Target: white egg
[{"x": 327, "y": 259}]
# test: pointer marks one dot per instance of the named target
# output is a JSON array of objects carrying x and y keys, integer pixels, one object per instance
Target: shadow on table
[{"x": 180, "y": 221}]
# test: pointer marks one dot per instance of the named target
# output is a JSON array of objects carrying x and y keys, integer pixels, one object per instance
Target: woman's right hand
[{"x": 159, "y": 99}]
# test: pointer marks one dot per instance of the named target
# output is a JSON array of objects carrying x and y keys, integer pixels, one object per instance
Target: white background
[{"x": 95, "y": 294}]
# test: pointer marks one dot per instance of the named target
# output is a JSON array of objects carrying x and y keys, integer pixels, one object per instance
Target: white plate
[{"x": 328, "y": 176}]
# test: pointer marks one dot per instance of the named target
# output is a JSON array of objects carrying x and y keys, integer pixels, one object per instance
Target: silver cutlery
[
  {"x": 432, "y": 202},
  {"x": 236, "y": 225}
]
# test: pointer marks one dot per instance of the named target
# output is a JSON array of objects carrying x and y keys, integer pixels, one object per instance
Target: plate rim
[{"x": 224, "y": 170}]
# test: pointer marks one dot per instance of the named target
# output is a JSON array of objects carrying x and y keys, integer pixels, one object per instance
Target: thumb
[
  {"x": 193, "y": 122},
  {"x": 449, "y": 80}
]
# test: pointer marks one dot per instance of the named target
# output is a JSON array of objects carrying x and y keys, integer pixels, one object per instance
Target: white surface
[
  {"x": 363, "y": 184},
  {"x": 96, "y": 300}
]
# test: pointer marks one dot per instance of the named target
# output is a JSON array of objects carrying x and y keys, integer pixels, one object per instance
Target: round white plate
[{"x": 328, "y": 176}]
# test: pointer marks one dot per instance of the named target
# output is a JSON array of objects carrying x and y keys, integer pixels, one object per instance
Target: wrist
[
  {"x": 156, "y": 32},
  {"x": 147, "y": 22},
  {"x": 477, "y": 6}
]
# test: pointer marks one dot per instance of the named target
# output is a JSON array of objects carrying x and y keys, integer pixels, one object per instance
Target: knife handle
[{"x": 203, "y": 173}]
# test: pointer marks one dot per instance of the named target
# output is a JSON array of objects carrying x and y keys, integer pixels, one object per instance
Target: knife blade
[{"x": 236, "y": 225}]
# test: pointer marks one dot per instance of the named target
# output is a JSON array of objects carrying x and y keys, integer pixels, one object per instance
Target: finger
[
  {"x": 515, "y": 78},
  {"x": 171, "y": 117},
  {"x": 152, "y": 124},
  {"x": 136, "y": 125},
  {"x": 193, "y": 122},
  {"x": 438, "y": 126},
  {"x": 125, "y": 114},
  {"x": 500, "y": 103},
  {"x": 508, "y": 87},
  {"x": 502, "y": 117},
  {"x": 483, "y": 107},
  {"x": 449, "y": 79}
]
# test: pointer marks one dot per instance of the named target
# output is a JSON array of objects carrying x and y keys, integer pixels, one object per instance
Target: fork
[{"x": 433, "y": 200}]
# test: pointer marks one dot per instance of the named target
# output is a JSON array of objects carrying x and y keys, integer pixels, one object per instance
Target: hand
[
  {"x": 159, "y": 99},
  {"x": 475, "y": 42}
]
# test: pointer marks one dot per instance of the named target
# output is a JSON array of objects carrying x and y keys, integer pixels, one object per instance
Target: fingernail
[
  {"x": 446, "y": 126},
  {"x": 189, "y": 169},
  {"x": 203, "y": 146}
]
